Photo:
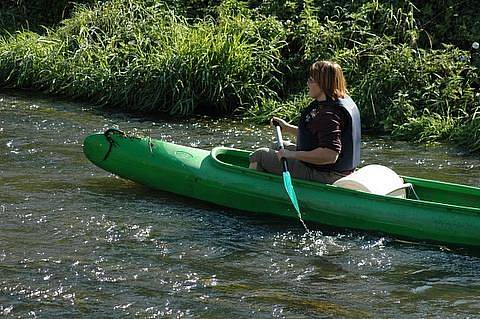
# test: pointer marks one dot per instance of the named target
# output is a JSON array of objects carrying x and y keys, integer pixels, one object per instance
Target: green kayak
[{"x": 444, "y": 213}]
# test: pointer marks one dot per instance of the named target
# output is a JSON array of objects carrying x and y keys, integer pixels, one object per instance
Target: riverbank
[{"x": 251, "y": 58}]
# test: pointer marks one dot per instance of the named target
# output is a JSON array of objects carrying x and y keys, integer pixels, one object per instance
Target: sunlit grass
[
  {"x": 251, "y": 58},
  {"x": 147, "y": 58}
]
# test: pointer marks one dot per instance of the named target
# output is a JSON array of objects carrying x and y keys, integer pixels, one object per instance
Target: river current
[{"x": 78, "y": 242}]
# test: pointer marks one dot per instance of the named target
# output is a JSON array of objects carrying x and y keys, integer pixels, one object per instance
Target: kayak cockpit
[
  {"x": 421, "y": 189},
  {"x": 231, "y": 156},
  {"x": 445, "y": 193}
]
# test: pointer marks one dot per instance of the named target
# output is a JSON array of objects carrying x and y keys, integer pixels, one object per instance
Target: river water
[{"x": 78, "y": 242}]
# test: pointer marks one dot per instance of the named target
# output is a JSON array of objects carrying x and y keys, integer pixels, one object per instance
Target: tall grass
[
  {"x": 251, "y": 56},
  {"x": 141, "y": 55}
]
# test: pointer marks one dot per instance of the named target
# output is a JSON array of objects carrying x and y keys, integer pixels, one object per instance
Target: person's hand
[
  {"x": 282, "y": 123},
  {"x": 283, "y": 153}
]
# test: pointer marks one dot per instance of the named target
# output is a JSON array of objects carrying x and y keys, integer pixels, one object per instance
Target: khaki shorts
[{"x": 267, "y": 161}]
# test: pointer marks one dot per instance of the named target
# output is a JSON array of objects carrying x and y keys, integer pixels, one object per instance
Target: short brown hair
[{"x": 329, "y": 76}]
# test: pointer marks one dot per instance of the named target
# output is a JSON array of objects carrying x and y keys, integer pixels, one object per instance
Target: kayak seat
[{"x": 376, "y": 179}]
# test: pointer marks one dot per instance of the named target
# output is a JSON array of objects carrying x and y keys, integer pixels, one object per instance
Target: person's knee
[
  {"x": 257, "y": 158},
  {"x": 258, "y": 155}
]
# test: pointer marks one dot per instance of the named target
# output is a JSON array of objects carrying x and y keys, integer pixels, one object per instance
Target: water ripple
[{"x": 76, "y": 241}]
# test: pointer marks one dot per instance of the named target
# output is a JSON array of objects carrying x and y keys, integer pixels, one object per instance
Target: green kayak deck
[{"x": 444, "y": 213}]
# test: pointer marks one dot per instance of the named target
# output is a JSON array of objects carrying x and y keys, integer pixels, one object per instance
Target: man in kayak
[{"x": 328, "y": 132}]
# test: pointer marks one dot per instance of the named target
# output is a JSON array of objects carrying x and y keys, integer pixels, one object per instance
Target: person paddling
[{"x": 328, "y": 133}]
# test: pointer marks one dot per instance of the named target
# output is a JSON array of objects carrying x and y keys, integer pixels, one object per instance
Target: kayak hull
[{"x": 446, "y": 213}]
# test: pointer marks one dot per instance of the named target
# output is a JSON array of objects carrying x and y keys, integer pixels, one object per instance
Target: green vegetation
[
  {"x": 409, "y": 73},
  {"x": 147, "y": 58}
]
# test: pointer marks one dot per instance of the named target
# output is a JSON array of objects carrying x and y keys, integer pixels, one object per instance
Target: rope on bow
[{"x": 108, "y": 135}]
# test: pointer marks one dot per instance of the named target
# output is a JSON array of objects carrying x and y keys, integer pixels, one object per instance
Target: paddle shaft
[
  {"x": 278, "y": 133},
  {"x": 287, "y": 180}
]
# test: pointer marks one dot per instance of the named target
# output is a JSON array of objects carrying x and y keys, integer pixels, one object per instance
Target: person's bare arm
[{"x": 286, "y": 127}]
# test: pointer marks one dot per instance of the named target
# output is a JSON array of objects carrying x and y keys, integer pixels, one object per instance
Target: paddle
[{"x": 287, "y": 180}]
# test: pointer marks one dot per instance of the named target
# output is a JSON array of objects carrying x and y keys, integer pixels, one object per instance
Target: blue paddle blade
[{"x": 287, "y": 182}]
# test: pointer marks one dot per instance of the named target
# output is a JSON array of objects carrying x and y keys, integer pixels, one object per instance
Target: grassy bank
[
  {"x": 147, "y": 58},
  {"x": 410, "y": 75}
]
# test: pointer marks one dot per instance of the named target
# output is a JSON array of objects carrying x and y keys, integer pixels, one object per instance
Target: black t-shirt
[{"x": 324, "y": 122}]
